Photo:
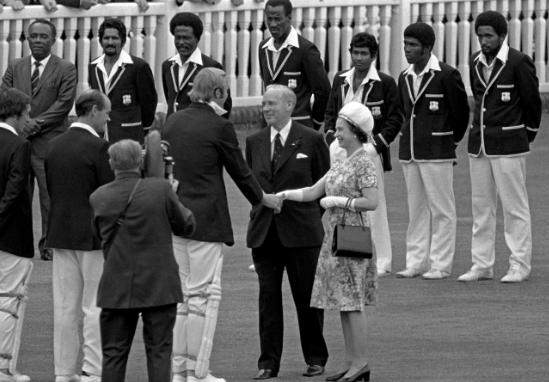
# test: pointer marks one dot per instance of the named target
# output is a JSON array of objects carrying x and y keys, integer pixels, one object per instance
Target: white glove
[
  {"x": 370, "y": 150},
  {"x": 336, "y": 201},
  {"x": 295, "y": 195}
]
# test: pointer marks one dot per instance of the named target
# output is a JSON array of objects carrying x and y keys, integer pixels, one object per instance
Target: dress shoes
[
  {"x": 408, "y": 273},
  {"x": 336, "y": 377},
  {"x": 514, "y": 277},
  {"x": 435, "y": 274},
  {"x": 361, "y": 375},
  {"x": 207, "y": 378},
  {"x": 313, "y": 370},
  {"x": 266, "y": 374},
  {"x": 67, "y": 378},
  {"x": 475, "y": 276},
  {"x": 15, "y": 377}
]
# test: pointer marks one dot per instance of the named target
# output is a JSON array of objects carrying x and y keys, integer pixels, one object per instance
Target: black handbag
[{"x": 352, "y": 241}]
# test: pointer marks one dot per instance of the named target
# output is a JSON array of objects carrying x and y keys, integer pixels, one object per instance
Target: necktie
[
  {"x": 35, "y": 76},
  {"x": 276, "y": 152}
]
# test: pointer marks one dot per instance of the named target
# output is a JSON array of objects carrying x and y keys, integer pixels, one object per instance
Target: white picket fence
[{"x": 232, "y": 34}]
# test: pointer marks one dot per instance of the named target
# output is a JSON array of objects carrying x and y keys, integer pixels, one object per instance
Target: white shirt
[
  {"x": 432, "y": 64},
  {"x": 85, "y": 127},
  {"x": 292, "y": 40},
  {"x": 43, "y": 64},
  {"x": 4, "y": 125},
  {"x": 195, "y": 57},
  {"x": 283, "y": 135},
  {"x": 502, "y": 55},
  {"x": 123, "y": 59},
  {"x": 350, "y": 76}
]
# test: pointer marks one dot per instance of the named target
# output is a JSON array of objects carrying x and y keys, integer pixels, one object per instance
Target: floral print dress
[{"x": 345, "y": 283}]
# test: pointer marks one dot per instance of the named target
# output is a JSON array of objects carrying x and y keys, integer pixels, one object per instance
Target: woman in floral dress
[{"x": 344, "y": 283}]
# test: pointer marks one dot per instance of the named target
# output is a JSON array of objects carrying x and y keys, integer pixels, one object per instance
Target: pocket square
[{"x": 301, "y": 156}]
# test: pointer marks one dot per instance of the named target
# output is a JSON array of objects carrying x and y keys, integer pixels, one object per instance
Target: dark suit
[
  {"x": 303, "y": 68},
  {"x": 133, "y": 99},
  {"x": 290, "y": 239},
  {"x": 140, "y": 274},
  {"x": 202, "y": 144},
  {"x": 51, "y": 103},
  {"x": 381, "y": 97},
  {"x": 15, "y": 196},
  {"x": 177, "y": 94}
]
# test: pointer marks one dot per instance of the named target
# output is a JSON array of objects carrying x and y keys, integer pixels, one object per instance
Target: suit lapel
[
  {"x": 27, "y": 76},
  {"x": 48, "y": 71},
  {"x": 100, "y": 80},
  {"x": 478, "y": 70},
  {"x": 265, "y": 145},
  {"x": 289, "y": 146},
  {"x": 410, "y": 86},
  {"x": 498, "y": 67},
  {"x": 284, "y": 56},
  {"x": 366, "y": 93},
  {"x": 174, "y": 70},
  {"x": 425, "y": 82},
  {"x": 188, "y": 74},
  {"x": 115, "y": 78}
]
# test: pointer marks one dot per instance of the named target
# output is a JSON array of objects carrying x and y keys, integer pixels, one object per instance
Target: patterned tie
[
  {"x": 35, "y": 76},
  {"x": 276, "y": 152}
]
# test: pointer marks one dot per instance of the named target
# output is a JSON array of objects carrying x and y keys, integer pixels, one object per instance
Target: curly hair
[
  {"x": 187, "y": 19},
  {"x": 492, "y": 19},
  {"x": 113, "y": 23}
]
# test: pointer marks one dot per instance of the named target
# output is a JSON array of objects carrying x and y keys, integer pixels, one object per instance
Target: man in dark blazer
[
  {"x": 16, "y": 244},
  {"x": 378, "y": 91},
  {"x": 140, "y": 276},
  {"x": 128, "y": 82},
  {"x": 289, "y": 59},
  {"x": 436, "y": 113},
  {"x": 506, "y": 120},
  {"x": 179, "y": 71},
  {"x": 76, "y": 165},
  {"x": 202, "y": 144},
  {"x": 50, "y": 81},
  {"x": 286, "y": 155}
]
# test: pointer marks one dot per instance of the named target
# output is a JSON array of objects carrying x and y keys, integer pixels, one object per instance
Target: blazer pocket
[
  {"x": 510, "y": 86},
  {"x": 435, "y": 103},
  {"x": 442, "y": 133},
  {"x": 130, "y": 124},
  {"x": 292, "y": 73},
  {"x": 512, "y": 127}
]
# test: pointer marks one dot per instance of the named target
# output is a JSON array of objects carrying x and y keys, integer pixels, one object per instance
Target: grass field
[{"x": 419, "y": 331}]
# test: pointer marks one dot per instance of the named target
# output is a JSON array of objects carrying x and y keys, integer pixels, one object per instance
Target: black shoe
[
  {"x": 46, "y": 254},
  {"x": 266, "y": 374},
  {"x": 336, "y": 377},
  {"x": 313, "y": 370},
  {"x": 362, "y": 375}
]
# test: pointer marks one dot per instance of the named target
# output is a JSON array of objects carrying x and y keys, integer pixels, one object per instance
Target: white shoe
[
  {"x": 408, "y": 273},
  {"x": 381, "y": 273},
  {"x": 513, "y": 277},
  {"x": 67, "y": 378},
  {"x": 251, "y": 268},
  {"x": 476, "y": 276},
  {"x": 90, "y": 378},
  {"x": 435, "y": 274},
  {"x": 208, "y": 378},
  {"x": 15, "y": 377},
  {"x": 177, "y": 377}
]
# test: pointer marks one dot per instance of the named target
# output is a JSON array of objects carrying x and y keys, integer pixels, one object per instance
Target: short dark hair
[
  {"x": 424, "y": 33},
  {"x": 364, "y": 40},
  {"x": 285, "y": 3},
  {"x": 12, "y": 103},
  {"x": 492, "y": 19},
  {"x": 44, "y": 21},
  {"x": 113, "y": 23},
  {"x": 87, "y": 100},
  {"x": 187, "y": 19}
]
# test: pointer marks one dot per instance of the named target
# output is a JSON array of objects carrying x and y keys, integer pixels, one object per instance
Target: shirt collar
[
  {"x": 502, "y": 55},
  {"x": 124, "y": 58},
  {"x": 283, "y": 133},
  {"x": 432, "y": 64},
  {"x": 372, "y": 75},
  {"x": 196, "y": 57},
  {"x": 4, "y": 125},
  {"x": 292, "y": 40},
  {"x": 85, "y": 127},
  {"x": 44, "y": 62},
  {"x": 218, "y": 109}
]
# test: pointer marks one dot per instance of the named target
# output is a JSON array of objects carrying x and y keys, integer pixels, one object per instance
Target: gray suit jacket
[{"x": 52, "y": 99}]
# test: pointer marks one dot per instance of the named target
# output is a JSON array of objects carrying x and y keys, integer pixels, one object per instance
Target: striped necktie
[
  {"x": 35, "y": 75},
  {"x": 276, "y": 152}
]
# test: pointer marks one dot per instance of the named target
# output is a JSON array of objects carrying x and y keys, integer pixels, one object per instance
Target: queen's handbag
[{"x": 352, "y": 241}]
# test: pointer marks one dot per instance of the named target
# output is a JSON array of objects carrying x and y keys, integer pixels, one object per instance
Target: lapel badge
[
  {"x": 126, "y": 99},
  {"x": 506, "y": 96},
  {"x": 433, "y": 105},
  {"x": 376, "y": 111},
  {"x": 292, "y": 83}
]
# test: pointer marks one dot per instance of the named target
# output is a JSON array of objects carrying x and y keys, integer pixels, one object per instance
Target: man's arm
[
  {"x": 456, "y": 96},
  {"x": 17, "y": 178},
  {"x": 181, "y": 218},
  {"x": 148, "y": 98},
  {"x": 393, "y": 117},
  {"x": 313, "y": 67},
  {"x": 528, "y": 89}
]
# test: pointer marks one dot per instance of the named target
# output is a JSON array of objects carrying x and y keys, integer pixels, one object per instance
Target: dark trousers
[
  {"x": 38, "y": 171},
  {"x": 117, "y": 331},
  {"x": 270, "y": 260}
]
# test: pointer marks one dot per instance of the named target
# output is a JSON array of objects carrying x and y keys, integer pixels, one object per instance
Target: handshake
[{"x": 275, "y": 201}]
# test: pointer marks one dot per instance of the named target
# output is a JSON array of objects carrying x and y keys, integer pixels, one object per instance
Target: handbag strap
[
  {"x": 348, "y": 207},
  {"x": 123, "y": 214}
]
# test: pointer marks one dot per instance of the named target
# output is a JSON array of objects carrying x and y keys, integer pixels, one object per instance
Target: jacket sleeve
[
  {"x": 313, "y": 67},
  {"x": 393, "y": 119},
  {"x": 104, "y": 172},
  {"x": 18, "y": 176},
  {"x": 7, "y": 79},
  {"x": 456, "y": 95},
  {"x": 148, "y": 99},
  {"x": 528, "y": 89}
]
